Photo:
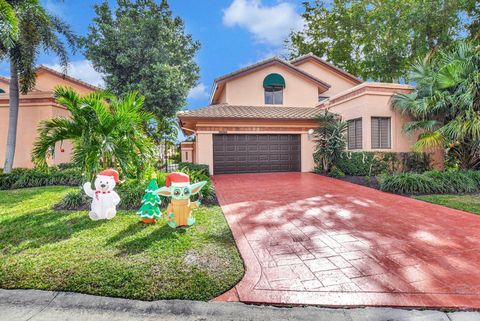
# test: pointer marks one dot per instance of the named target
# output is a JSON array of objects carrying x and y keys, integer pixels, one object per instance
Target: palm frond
[
  {"x": 9, "y": 26},
  {"x": 429, "y": 142}
]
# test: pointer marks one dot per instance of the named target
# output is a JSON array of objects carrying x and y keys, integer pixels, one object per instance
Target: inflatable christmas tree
[{"x": 149, "y": 210}]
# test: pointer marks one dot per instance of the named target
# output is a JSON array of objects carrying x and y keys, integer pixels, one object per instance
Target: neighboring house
[
  {"x": 261, "y": 118},
  {"x": 39, "y": 104}
]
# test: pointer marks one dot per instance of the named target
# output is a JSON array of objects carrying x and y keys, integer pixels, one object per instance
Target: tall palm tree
[
  {"x": 105, "y": 131},
  {"x": 37, "y": 30},
  {"x": 445, "y": 106}
]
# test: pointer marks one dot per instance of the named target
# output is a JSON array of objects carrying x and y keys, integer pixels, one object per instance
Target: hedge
[
  {"x": 431, "y": 182},
  {"x": 22, "y": 177},
  {"x": 202, "y": 168},
  {"x": 374, "y": 163}
]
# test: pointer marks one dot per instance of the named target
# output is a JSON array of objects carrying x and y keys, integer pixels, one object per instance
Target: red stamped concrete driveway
[{"x": 309, "y": 239}]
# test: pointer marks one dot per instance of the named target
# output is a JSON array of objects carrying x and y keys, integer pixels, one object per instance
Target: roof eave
[{"x": 326, "y": 63}]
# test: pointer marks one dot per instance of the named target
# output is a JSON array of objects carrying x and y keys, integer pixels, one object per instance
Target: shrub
[
  {"x": 364, "y": 163},
  {"x": 336, "y": 172},
  {"x": 375, "y": 163},
  {"x": 415, "y": 162},
  {"x": 22, "y": 178},
  {"x": 407, "y": 183},
  {"x": 194, "y": 167},
  {"x": 7, "y": 180},
  {"x": 475, "y": 176},
  {"x": 432, "y": 182}
]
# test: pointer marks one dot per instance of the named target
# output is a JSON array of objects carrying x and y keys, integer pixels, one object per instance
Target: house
[
  {"x": 261, "y": 118},
  {"x": 39, "y": 104}
]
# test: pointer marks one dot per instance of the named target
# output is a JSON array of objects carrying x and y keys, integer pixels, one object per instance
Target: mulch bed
[{"x": 359, "y": 180}]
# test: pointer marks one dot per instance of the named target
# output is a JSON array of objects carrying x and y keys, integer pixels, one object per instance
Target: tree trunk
[{"x": 12, "y": 117}]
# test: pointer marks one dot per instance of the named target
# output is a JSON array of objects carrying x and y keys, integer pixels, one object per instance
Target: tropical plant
[
  {"x": 8, "y": 25},
  {"x": 432, "y": 182},
  {"x": 140, "y": 45},
  {"x": 331, "y": 142},
  {"x": 377, "y": 40},
  {"x": 105, "y": 131},
  {"x": 445, "y": 105},
  {"x": 36, "y": 30}
]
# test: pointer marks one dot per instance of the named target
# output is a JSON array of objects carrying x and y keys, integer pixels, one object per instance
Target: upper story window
[
  {"x": 381, "y": 132},
  {"x": 320, "y": 98},
  {"x": 355, "y": 134},
  {"x": 2, "y": 91},
  {"x": 274, "y": 85}
]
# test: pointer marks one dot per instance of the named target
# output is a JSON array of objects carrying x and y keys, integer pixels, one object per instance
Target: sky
[{"x": 232, "y": 33}]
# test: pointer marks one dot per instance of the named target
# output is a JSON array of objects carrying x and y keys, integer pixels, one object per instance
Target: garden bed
[{"x": 42, "y": 248}]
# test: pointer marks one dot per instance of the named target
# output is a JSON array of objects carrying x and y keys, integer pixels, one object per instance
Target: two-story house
[
  {"x": 37, "y": 105},
  {"x": 261, "y": 118}
]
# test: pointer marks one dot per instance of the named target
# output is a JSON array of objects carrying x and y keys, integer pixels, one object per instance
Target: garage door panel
[{"x": 247, "y": 153}]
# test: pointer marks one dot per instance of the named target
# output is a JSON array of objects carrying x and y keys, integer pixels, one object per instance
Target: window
[
  {"x": 381, "y": 132},
  {"x": 355, "y": 134},
  {"x": 320, "y": 98},
  {"x": 274, "y": 95},
  {"x": 274, "y": 85},
  {"x": 2, "y": 91}
]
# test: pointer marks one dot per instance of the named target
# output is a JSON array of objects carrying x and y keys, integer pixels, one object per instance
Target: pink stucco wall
[
  {"x": 338, "y": 83},
  {"x": 47, "y": 82},
  {"x": 34, "y": 107},
  {"x": 248, "y": 89},
  {"x": 373, "y": 100}
]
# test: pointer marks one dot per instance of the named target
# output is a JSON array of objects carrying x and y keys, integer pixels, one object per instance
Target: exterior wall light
[{"x": 310, "y": 133}]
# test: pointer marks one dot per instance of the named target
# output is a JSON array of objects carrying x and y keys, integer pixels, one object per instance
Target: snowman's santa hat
[
  {"x": 112, "y": 173},
  {"x": 177, "y": 180}
]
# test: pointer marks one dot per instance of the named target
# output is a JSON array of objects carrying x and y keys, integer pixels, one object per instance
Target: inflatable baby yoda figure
[
  {"x": 179, "y": 210},
  {"x": 105, "y": 199}
]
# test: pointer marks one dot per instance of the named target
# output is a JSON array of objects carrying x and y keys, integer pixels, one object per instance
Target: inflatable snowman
[{"x": 105, "y": 199}]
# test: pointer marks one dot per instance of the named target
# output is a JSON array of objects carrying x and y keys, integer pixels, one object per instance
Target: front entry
[{"x": 256, "y": 153}]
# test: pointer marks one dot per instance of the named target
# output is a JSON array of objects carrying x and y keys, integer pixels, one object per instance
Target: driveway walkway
[{"x": 309, "y": 239}]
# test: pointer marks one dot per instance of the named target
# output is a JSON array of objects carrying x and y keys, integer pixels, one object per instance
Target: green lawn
[
  {"x": 45, "y": 249},
  {"x": 469, "y": 203}
]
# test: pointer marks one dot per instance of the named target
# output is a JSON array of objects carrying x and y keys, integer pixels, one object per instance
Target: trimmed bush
[
  {"x": 203, "y": 168},
  {"x": 336, "y": 172},
  {"x": 432, "y": 182},
  {"x": 365, "y": 163},
  {"x": 22, "y": 178},
  {"x": 375, "y": 163}
]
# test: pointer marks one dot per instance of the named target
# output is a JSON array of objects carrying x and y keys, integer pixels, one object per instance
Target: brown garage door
[{"x": 248, "y": 153}]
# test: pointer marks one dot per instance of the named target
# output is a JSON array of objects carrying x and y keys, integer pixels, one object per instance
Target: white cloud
[
  {"x": 270, "y": 25},
  {"x": 83, "y": 70},
  {"x": 199, "y": 92}
]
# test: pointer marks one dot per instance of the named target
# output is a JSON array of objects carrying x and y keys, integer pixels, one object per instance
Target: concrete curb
[{"x": 36, "y": 305}]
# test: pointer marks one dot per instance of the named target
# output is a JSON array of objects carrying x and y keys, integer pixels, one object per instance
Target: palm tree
[
  {"x": 37, "y": 30},
  {"x": 445, "y": 105},
  {"x": 105, "y": 131},
  {"x": 330, "y": 136}
]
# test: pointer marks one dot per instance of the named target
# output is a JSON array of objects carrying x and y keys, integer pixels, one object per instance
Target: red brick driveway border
[{"x": 313, "y": 240}]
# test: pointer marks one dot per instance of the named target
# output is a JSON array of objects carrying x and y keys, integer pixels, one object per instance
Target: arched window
[
  {"x": 274, "y": 85},
  {"x": 2, "y": 91}
]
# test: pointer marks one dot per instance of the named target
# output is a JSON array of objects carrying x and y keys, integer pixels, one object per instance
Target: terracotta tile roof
[
  {"x": 258, "y": 112},
  {"x": 65, "y": 76},
  {"x": 5, "y": 79},
  {"x": 59, "y": 74}
]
